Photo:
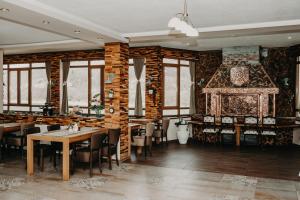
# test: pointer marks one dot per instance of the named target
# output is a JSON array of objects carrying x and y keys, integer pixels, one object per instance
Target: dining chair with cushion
[
  {"x": 269, "y": 130},
  {"x": 209, "y": 128},
  {"x": 1, "y": 142},
  {"x": 89, "y": 154},
  {"x": 227, "y": 128},
  {"x": 18, "y": 139},
  {"x": 55, "y": 146},
  {"x": 145, "y": 141},
  {"x": 110, "y": 147},
  {"x": 162, "y": 132},
  {"x": 250, "y": 128}
]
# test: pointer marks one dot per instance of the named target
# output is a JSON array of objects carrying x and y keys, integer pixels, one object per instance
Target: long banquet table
[
  {"x": 238, "y": 127},
  {"x": 66, "y": 138}
]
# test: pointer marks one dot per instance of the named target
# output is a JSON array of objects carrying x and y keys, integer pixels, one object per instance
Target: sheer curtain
[
  {"x": 192, "y": 99},
  {"x": 48, "y": 73},
  {"x": 138, "y": 64},
  {"x": 65, "y": 70}
]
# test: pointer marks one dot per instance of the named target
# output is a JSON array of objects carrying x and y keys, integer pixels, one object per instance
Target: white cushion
[
  {"x": 268, "y": 133},
  {"x": 269, "y": 120},
  {"x": 227, "y": 131},
  {"x": 210, "y": 119},
  {"x": 250, "y": 120},
  {"x": 210, "y": 130},
  {"x": 227, "y": 120},
  {"x": 251, "y": 132}
]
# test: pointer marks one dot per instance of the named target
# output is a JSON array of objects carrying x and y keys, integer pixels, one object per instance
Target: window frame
[
  {"x": 90, "y": 68},
  {"x": 19, "y": 70},
  {"x": 177, "y": 106}
]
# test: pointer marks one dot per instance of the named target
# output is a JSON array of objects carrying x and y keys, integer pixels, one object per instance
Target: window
[
  {"x": 132, "y": 87},
  {"x": 85, "y": 80},
  {"x": 25, "y": 86},
  {"x": 177, "y": 83}
]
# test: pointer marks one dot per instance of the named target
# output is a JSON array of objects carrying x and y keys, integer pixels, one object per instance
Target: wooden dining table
[
  {"x": 238, "y": 127},
  {"x": 66, "y": 137}
]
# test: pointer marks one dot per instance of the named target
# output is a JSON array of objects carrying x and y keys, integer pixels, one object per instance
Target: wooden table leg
[
  {"x": 66, "y": 161},
  {"x": 30, "y": 156},
  {"x": 238, "y": 136}
]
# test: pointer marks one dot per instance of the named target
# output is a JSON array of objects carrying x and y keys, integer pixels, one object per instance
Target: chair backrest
[
  {"x": 1, "y": 132},
  {"x": 53, "y": 127},
  {"x": 227, "y": 120},
  {"x": 26, "y": 126},
  {"x": 150, "y": 129},
  {"x": 209, "y": 119},
  {"x": 165, "y": 124},
  {"x": 114, "y": 136},
  {"x": 251, "y": 120},
  {"x": 31, "y": 130},
  {"x": 269, "y": 121},
  {"x": 97, "y": 140}
]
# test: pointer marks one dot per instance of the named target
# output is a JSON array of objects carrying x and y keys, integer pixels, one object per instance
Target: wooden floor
[{"x": 278, "y": 163}]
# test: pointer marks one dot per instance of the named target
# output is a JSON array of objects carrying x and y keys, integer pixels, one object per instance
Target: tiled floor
[{"x": 140, "y": 182}]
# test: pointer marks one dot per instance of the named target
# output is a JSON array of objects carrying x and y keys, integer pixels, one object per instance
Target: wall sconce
[
  {"x": 201, "y": 82},
  {"x": 111, "y": 94}
]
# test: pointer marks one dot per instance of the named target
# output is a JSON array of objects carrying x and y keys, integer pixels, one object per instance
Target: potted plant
[{"x": 96, "y": 105}]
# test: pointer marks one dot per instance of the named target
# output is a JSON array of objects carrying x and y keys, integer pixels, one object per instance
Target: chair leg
[
  {"x": 109, "y": 158},
  {"x": 91, "y": 164},
  {"x": 100, "y": 162},
  {"x": 117, "y": 160},
  {"x": 145, "y": 151},
  {"x": 167, "y": 139},
  {"x": 42, "y": 159}
]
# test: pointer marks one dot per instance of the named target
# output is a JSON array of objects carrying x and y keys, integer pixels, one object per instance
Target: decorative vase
[{"x": 182, "y": 134}]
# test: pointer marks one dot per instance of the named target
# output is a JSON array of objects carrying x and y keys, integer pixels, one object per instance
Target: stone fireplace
[{"x": 241, "y": 86}]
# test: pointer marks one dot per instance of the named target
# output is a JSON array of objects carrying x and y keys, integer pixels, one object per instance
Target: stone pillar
[
  {"x": 154, "y": 90},
  {"x": 116, "y": 80},
  {"x": 55, "y": 88},
  {"x": 1, "y": 80}
]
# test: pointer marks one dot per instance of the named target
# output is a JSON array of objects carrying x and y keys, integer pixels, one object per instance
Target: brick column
[
  {"x": 55, "y": 88},
  {"x": 116, "y": 69},
  {"x": 154, "y": 77}
]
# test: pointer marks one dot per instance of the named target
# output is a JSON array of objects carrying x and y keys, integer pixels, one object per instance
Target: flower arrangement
[{"x": 96, "y": 104}]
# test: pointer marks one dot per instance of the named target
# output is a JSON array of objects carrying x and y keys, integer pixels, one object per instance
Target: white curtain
[
  {"x": 138, "y": 64},
  {"x": 192, "y": 93}
]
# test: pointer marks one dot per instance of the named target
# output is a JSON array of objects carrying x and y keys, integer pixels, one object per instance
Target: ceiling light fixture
[
  {"x": 77, "y": 31},
  {"x": 4, "y": 9},
  {"x": 290, "y": 37},
  {"x": 181, "y": 22}
]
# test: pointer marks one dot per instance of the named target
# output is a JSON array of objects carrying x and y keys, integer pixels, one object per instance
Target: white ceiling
[{"x": 221, "y": 23}]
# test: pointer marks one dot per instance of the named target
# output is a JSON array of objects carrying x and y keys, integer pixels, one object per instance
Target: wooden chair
[
  {"x": 111, "y": 147},
  {"x": 251, "y": 128},
  {"x": 1, "y": 142},
  {"x": 18, "y": 139},
  {"x": 269, "y": 129},
  {"x": 55, "y": 146},
  {"x": 91, "y": 153},
  {"x": 145, "y": 140},
  {"x": 227, "y": 128},
  {"x": 163, "y": 131},
  {"x": 209, "y": 127}
]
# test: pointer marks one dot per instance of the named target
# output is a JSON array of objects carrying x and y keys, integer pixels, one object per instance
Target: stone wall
[{"x": 116, "y": 64}]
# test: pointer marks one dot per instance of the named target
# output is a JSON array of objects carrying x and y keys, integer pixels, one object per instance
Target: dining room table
[{"x": 66, "y": 137}]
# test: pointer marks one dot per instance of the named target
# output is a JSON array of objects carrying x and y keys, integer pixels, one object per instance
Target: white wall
[{"x": 1, "y": 80}]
